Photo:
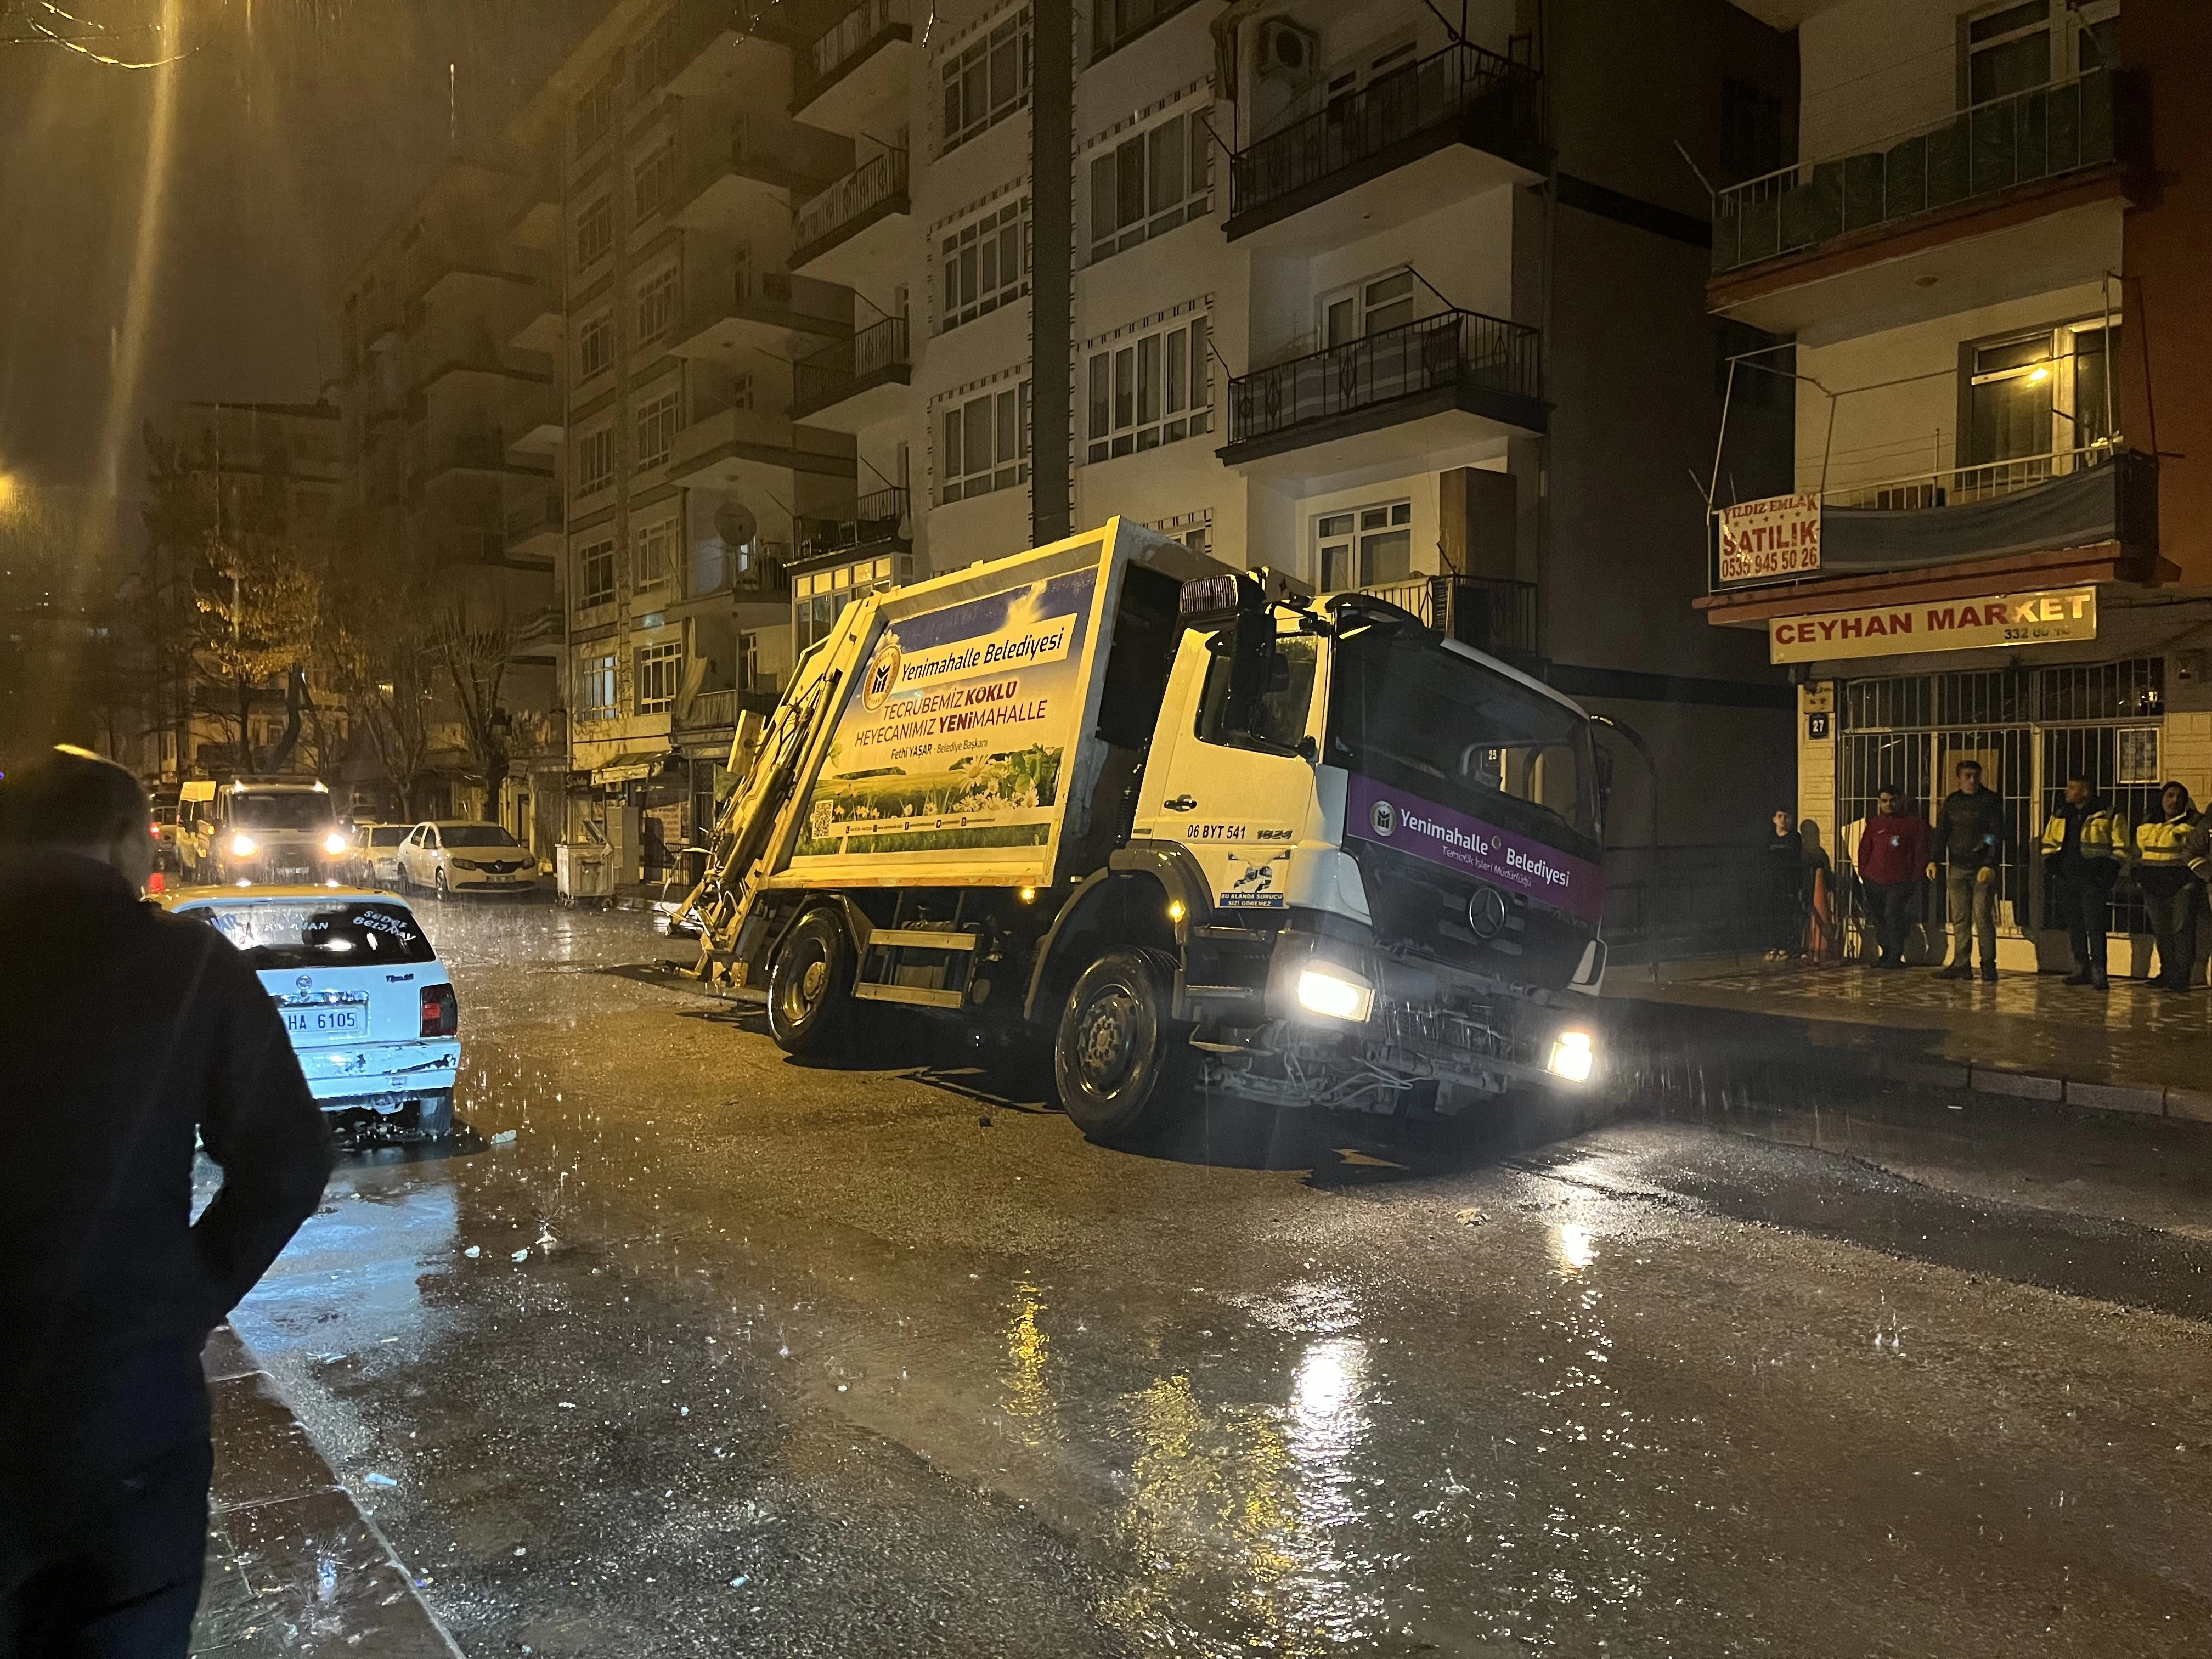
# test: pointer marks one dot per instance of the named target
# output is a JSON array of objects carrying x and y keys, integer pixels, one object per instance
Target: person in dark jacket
[
  {"x": 125, "y": 1032},
  {"x": 2172, "y": 862},
  {"x": 2084, "y": 845},
  {"x": 1970, "y": 846},
  {"x": 1892, "y": 855},
  {"x": 1785, "y": 887}
]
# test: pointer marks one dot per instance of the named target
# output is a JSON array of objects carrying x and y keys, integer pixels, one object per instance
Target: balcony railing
[
  {"x": 1453, "y": 349},
  {"x": 831, "y": 375},
  {"x": 754, "y": 571},
  {"x": 711, "y": 709},
  {"x": 2068, "y": 498},
  {"x": 1500, "y": 102},
  {"x": 1982, "y": 152},
  {"x": 850, "y": 39},
  {"x": 877, "y": 517},
  {"x": 1489, "y": 613},
  {"x": 878, "y": 184}
]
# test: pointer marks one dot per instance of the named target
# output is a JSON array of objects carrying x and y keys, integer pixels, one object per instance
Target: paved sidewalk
[
  {"x": 294, "y": 1566},
  {"x": 2133, "y": 1049}
]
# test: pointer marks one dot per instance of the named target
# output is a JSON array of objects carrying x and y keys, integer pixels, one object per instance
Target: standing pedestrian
[
  {"x": 125, "y": 1033},
  {"x": 2171, "y": 865},
  {"x": 2084, "y": 845},
  {"x": 1892, "y": 853},
  {"x": 1970, "y": 846},
  {"x": 1783, "y": 851}
]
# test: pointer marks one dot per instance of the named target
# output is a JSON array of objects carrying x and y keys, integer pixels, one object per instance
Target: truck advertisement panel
[
  {"x": 954, "y": 736},
  {"x": 1437, "y": 834}
]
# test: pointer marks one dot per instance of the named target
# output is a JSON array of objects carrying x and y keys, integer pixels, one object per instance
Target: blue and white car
[{"x": 370, "y": 1007}]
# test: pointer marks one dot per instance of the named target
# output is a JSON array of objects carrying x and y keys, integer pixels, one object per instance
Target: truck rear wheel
[
  {"x": 1120, "y": 1063},
  {"x": 810, "y": 986}
]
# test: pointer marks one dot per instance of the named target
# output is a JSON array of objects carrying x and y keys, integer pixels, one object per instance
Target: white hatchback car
[
  {"x": 369, "y": 1005},
  {"x": 456, "y": 855}
]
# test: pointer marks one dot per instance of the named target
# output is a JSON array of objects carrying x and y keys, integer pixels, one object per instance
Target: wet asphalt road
[{"x": 723, "y": 1354}]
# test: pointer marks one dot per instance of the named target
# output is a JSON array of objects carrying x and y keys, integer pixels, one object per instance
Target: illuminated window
[{"x": 595, "y": 688}]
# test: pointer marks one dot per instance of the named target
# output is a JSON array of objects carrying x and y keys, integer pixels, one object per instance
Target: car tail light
[{"x": 441, "y": 1015}]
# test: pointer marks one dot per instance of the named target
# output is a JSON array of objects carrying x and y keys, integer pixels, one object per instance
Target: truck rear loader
[{"x": 1186, "y": 824}]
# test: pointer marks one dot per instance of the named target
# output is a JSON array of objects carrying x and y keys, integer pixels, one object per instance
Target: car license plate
[{"x": 327, "y": 1019}]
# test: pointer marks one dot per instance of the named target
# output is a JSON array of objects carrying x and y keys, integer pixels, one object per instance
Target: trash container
[{"x": 584, "y": 872}]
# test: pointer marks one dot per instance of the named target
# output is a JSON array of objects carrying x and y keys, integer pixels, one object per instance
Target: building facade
[
  {"x": 1986, "y": 253},
  {"x": 1363, "y": 291}
]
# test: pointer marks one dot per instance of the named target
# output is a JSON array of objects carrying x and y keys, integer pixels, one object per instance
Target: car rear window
[
  {"x": 310, "y": 934},
  {"x": 390, "y": 836}
]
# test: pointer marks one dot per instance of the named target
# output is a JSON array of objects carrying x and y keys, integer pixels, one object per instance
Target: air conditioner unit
[{"x": 1287, "y": 52}]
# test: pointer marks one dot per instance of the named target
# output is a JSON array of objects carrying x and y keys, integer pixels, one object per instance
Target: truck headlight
[
  {"x": 336, "y": 844},
  {"x": 1337, "y": 995},
  {"x": 244, "y": 846},
  {"x": 1574, "y": 1056}
]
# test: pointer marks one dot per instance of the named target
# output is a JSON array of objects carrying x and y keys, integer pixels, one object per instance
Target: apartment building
[
  {"x": 1390, "y": 298},
  {"x": 1989, "y": 251},
  {"x": 448, "y": 427},
  {"x": 264, "y": 469}
]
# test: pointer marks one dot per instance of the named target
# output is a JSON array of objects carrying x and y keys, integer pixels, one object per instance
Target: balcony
[
  {"x": 1488, "y": 613},
  {"x": 755, "y": 456},
  {"x": 477, "y": 449},
  {"x": 1456, "y": 123},
  {"x": 853, "y": 384},
  {"x": 1389, "y": 396},
  {"x": 2070, "y": 516},
  {"x": 2025, "y": 177},
  {"x": 857, "y": 66},
  {"x": 879, "y": 519},
  {"x": 755, "y": 574},
  {"x": 534, "y": 529},
  {"x": 722, "y": 45},
  {"x": 832, "y": 231},
  {"x": 728, "y": 313},
  {"x": 708, "y": 711},
  {"x": 732, "y": 175}
]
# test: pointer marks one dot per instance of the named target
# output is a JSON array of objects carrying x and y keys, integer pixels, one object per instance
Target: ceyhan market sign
[{"x": 1892, "y": 630}]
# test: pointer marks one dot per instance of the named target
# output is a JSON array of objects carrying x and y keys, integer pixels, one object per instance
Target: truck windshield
[
  {"x": 1409, "y": 713},
  {"x": 285, "y": 809}
]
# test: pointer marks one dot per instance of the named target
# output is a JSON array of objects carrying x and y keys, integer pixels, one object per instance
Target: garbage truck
[{"x": 1188, "y": 826}]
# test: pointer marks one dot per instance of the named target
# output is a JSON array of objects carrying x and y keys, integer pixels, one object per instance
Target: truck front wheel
[
  {"x": 1120, "y": 1063},
  {"x": 810, "y": 986}
]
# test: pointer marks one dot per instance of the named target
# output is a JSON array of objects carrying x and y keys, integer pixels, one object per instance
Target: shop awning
[{"x": 629, "y": 768}]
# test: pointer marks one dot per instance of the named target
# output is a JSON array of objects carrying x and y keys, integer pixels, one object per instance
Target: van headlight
[
  {"x": 1574, "y": 1056},
  {"x": 244, "y": 846},
  {"x": 1335, "y": 995},
  {"x": 336, "y": 844}
]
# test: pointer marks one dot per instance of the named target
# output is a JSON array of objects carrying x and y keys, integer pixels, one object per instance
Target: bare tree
[
  {"x": 475, "y": 637},
  {"x": 376, "y": 653}
]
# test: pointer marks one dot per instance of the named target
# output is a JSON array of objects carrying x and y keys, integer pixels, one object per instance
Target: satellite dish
[{"x": 735, "y": 523}]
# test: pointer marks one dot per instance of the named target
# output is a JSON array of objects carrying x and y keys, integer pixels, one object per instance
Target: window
[
  {"x": 2030, "y": 398},
  {"x": 656, "y": 430},
  {"x": 1150, "y": 184},
  {"x": 1151, "y": 390},
  {"x": 1284, "y": 706},
  {"x": 652, "y": 59},
  {"x": 656, "y": 305},
  {"x": 656, "y": 553},
  {"x": 988, "y": 82},
  {"x": 659, "y": 668},
  {"x": 986, "y": 443},
  {"x": 1367, "y": 307},
  {"x": 595, "y": 345},
  {"x": 986, "y": 264},
  {"x": 595, "y": 115},
  {"x": 820, "y": 597},
  {"x": 1755, "y": 136},
  {"x": 2017, "y": 46},
  {"x": 1367, "y": 547},
  {"x": 595, "y": 687},
  {"x": 595, "y": 461},
  {"x": 595, "y": 231},
  {"x": 595, "y": 574},
  {"x": 652, "y": 179}
]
